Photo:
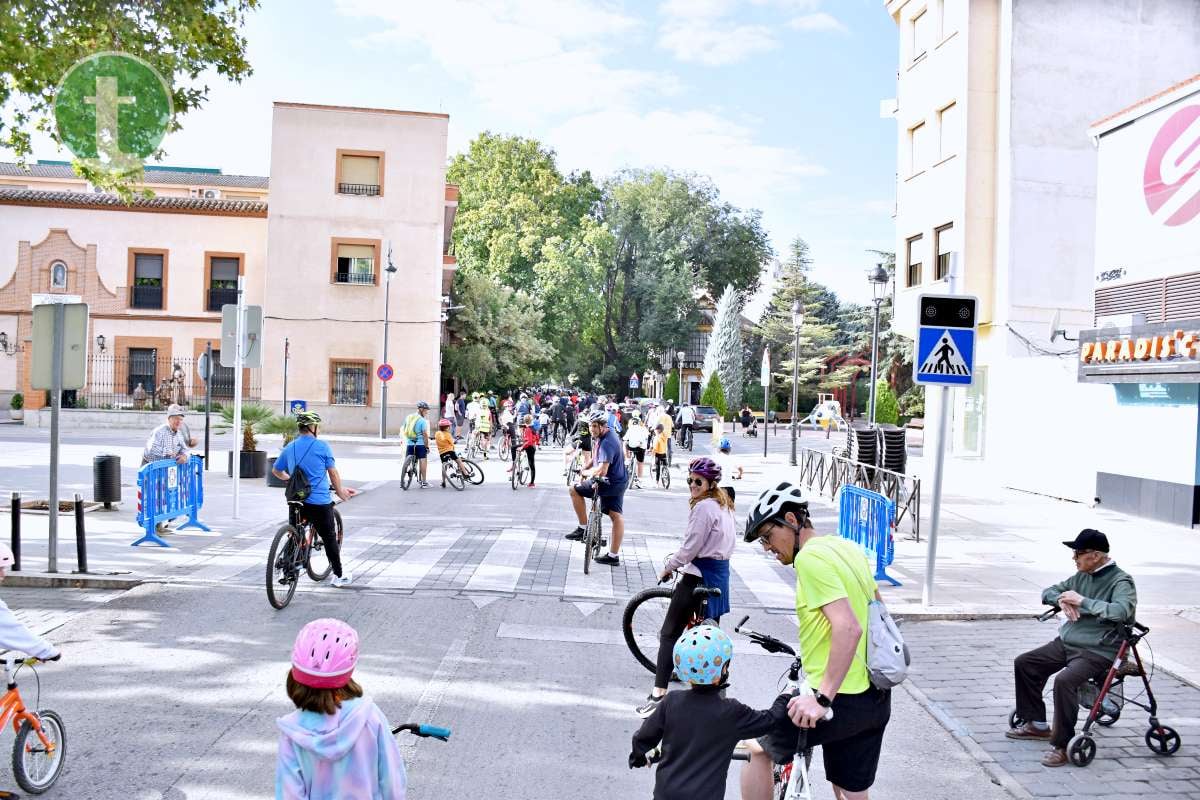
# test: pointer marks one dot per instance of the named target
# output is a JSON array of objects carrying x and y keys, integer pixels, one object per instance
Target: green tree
[
  {"x": 671, "y": 387},
  {"x": 41, "y": 39},
  {"x": 494, "y": 336},
  {"x": 714, "y": 395},
  {"x": 887, "y": 408},
  {"x": 725, "y": 355}
]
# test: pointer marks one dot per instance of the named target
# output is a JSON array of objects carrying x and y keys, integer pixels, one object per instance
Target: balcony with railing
[
  {"x": 221, "y": 297},
  {"x": 364, "y": 189},
  {"x": 367, "y": 278},
  {"x": 146, "y": 297}
]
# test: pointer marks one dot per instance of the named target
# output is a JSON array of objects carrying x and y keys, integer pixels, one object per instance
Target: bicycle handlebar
[
  {"x": 766, "y": 642},
  {"x": 1047, "y": 615},
  {"x": 424, "y": 731}
]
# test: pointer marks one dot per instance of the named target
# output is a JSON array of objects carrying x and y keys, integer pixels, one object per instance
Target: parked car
[{"x": 705, "y": 417}]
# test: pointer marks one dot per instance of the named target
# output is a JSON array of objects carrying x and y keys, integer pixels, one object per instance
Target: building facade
[
  {"x": 309, "y": 244},
  {"x": 994, "y": 98}
]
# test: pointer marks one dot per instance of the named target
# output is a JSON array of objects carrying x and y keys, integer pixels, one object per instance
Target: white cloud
[
  {"x": 817, "y": 21},
  {"x": 700, "y": 31}
]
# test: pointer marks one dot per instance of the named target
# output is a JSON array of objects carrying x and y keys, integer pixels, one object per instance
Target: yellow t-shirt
[
  {"x": 445, "y": 442},
  {"x": 484, "y": 423},
  {"x": 665, "y": 421},
  {"x": 830, "y": 568},
  {"x": 660, "y": 444}
]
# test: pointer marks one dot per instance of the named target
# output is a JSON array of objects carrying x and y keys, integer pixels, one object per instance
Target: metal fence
[
  {"x": 145, "y": 380},
  {"x": 824, "y": 473}
]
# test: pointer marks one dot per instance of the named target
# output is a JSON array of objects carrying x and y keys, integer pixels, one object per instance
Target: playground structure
[{"x": 826, "y": 415}]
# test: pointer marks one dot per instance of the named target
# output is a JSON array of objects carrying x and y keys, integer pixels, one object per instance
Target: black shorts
[
  {"x": 612, "y": 497},
  {"x": 449, "y": 455},
  {"x": 585, "y": 444},
  {"x": 639, "y": 453},
  {"x": 850, "y": 742}
]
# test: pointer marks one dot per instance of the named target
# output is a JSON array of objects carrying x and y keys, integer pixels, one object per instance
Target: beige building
[{"x": 311, "y": 244}]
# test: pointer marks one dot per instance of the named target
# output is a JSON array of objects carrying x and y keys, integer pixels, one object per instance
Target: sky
[{"x": 777, "y": 101}]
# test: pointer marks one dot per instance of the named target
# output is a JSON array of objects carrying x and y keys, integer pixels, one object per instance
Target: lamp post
[
  {"x": 389, "y": 270},
  {"x": 681, "y": 354},
  {"x": 797, "y": 323},
  {"x": 879, "y": 281}
]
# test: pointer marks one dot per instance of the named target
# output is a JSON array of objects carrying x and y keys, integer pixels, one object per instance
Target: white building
[{"x": 994, "y": 99}]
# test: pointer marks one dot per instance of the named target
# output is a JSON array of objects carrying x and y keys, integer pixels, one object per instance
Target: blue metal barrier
[
  {"x": 166, "y": 490},
  {"x": 867, "y": 518}
]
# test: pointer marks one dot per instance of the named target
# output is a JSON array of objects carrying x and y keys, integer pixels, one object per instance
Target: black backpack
[{"x": 298, "y": 487}]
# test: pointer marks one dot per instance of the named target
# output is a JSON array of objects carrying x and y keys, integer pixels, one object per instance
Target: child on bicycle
[
  {"x": 483, "y": 429},
  {"x": 662, "y": 440},
  {"x": 14, "y": 635},
  {"x": 698, "y": 729},
  {"x": 336, "y": 744},
  {"x": 445, "y": 445},
  {"x": 529, "y": 445}
]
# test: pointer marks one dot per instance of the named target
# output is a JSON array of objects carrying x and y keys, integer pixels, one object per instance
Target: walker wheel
[
  {"x": 1015, "y": 720},
  {"x": 1082, "y": 749},
  {"x": 1108, "y": 719},
  {"x": 1163, "y": 740}
]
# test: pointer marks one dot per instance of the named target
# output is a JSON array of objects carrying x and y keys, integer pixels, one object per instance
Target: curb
[
  {"x": 921, "y": 615},
  {"x": 71, "y": 580}
]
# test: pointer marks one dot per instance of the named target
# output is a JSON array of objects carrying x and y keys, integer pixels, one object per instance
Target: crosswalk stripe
[
  {"x": 409, "y": 570},
  {"x": 658, "y": 549},
  {"x": 501, "y": 568},
  {"x": 226, "y": 566},
  {"x": 763, "y": 581},
  {"x": 597, "y": 584},
  {"x": 356, "y": 543}
]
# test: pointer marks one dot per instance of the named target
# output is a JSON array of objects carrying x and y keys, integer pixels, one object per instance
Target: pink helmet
[
  {"x": 324, "y": 654},
  {"x": 705, "y": 468}
]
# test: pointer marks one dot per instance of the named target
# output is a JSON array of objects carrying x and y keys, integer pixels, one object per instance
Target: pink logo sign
[{"x": 1171, "y": 180}]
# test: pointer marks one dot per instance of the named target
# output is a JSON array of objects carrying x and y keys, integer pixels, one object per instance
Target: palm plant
[
  {"x": 282, "y": 424},
  {"x": 254, "y": 417}
]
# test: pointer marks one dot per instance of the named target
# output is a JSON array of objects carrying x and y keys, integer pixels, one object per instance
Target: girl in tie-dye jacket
[{"x": 337, "y": 744}]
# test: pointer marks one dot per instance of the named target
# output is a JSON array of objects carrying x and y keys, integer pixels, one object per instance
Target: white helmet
[
  {"x": 772, "y": 504},
  {"x": 6, "y": 557}
]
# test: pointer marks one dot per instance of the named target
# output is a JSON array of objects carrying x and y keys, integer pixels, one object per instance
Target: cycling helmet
[
  {"x": 308, "y": 419},
  {"x": 771, "y": 504},
  {"x": 324, "y": 654},
  {"x": 706, "y": 468},
  {"x": 443, "y": 423},
  {"x": 422, "y": 404},
  {"x": 702, "y": 655},
  {"x": 6, "y": 558},
  {"x": 635, "y": 415},
  {"x": 598, "y": 417},
  {"x": 610, "y": 407},
  {"x": 724, "y": 444}
]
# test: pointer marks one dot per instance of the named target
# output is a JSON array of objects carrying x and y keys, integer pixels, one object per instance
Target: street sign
[
  {"x": 633, "y": 381},
  {"x": 296, "y": 406},
  {"x": 252, "y": 331},
  {"x": 945, "y": 340},
  {"x": 203, "y": 367},
  {"x": 764, "y": 377},
  {"x": 73, "y": 346},
  {"x": 385, "y": 372}
]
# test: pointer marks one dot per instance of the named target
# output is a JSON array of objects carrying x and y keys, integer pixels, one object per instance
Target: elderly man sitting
[
  {"x": 1096, "y": 601},
  {"x": 167, "y": 441}
]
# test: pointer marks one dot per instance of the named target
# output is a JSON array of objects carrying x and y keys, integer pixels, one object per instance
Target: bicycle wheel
[
  {"x": 454, "y": 477},
  {"x": 281, "y": 566},
  {"x": 523, "y": 477},
  {"x": 35, "y": 768},
  {"x": 318, "y": 550},
  {"x": 410, "y": 469},
  {"x": 591, "y": 539},
  {"x": 573, "y": 470},
  {"x": 472, "y": 472},
  {"x": 664, "y": 477},
  {"x": 642, "y": 624},
  {"x": 503, "y": 451}
]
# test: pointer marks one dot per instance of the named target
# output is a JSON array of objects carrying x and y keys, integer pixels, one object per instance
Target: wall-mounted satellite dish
[{"x": 1056, "y": 329}]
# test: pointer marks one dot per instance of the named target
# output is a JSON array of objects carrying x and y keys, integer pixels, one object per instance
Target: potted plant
[
  {"x": 252, "y": 460},
  {"x": 285, "y": 426},
  {"x": 16, "y": 406}
]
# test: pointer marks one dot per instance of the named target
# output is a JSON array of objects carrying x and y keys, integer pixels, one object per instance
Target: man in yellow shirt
[
  {"x": 832, "y": 585},
  {"x": 659, "y": 446},
  {"x": 664, "y": 419}
]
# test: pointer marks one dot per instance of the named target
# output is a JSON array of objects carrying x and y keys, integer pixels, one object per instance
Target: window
[
  {"x": 147, "y": 278},
  {"x": 696, "y": 349},
  {"x": 58, "y": 275},
  {"x": 350, "y": 383},
  {"x": 943, "y": 241},
  {"x": 221, "y": 276},
  {"x": 222, "y": 377},
  {"x": 355, "y": 261},
  {"x": 916, "y": 149},
  {"x": 360, "y": 172},
  {"x": 948, "y": 131},
  {"x": 922, "y": 34},
  {"x": 143, "y": 370},
  {"x": 913, "y": 257}
]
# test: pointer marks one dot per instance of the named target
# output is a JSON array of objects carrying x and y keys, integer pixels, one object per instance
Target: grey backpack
[{"x": 887, "y": 654}]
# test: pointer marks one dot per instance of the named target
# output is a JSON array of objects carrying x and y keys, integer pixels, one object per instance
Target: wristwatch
[{"x": 823, "y": 701}]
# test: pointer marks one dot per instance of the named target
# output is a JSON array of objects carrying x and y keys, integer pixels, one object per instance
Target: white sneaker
[{"x": 345, "y": 580}]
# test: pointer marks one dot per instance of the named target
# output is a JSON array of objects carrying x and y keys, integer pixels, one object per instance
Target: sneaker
[
  {"x": 576, "y": 535},
  {"x": 608, "y": 560},
  {"x": 532, "y": 485},
  {"x": 423, "y": 484},
  {"x": 647, "y": 708},
  {"x": 344, "y": 580}
]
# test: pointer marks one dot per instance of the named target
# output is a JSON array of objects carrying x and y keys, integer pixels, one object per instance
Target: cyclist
[
  {"x": 698, "y": 729},
  {"x": 832, "y": 577},
  {"x": 473, "y": 412},
  {"x": 614, "y": 417},
  {"x": 416, "y": 435},
  {"x": 445, "y": 445},
  {"x": 729, "y": 470},
  {"x": 556, "y": 418},
  {"x": 308, "y": 453},
  {"x": 581, "y": 442},
  {"x": 687, "y": 422},
  {"x": 702, "y": 559},
  {"x": 14, "y": 635},
  {"x": 662, "y": 442},
  {"x": 667, "y": 421},
  {"x": 336, "y": 744},
  {"x": 483, "y": 430},
  {"x": 529, "y": 444},
  {"x": 606, "y": 463},
  {"x": 636, "y": 439}
]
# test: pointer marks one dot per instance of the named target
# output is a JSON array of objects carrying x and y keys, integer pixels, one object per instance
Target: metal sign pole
[
  {"x": 939, "y": 461},
  {"x": 56, "y": 383},
  {"x": 207, "y": 400},
  {"x": 236, "y": 456},
  {"x": 285, "y": 368}
]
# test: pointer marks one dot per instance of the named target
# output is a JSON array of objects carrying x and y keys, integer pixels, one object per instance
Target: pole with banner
[
  {"x": 204, "y": 368},
  {"x": 286, "y": 353},
  {"x": 241, "y": 348},
  {"x": 765, "y": 379},
  {"x": 236, "y": 458}
]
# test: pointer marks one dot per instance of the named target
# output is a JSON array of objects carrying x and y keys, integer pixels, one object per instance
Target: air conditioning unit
[
  {"x": 206, "y": 194},
  {"x": 1115, "y": 321}
]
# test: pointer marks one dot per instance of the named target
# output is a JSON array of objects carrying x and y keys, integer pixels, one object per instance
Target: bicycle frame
[{"x": 12, "y": 707}]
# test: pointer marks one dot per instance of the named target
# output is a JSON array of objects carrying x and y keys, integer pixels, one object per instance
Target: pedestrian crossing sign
[{"x": 946, "y": 340}]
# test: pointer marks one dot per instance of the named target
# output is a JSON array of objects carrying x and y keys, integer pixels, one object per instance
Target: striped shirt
[{"x": 164, "y": 443}]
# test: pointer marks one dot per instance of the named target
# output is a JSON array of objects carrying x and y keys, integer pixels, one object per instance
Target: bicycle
[
  {"x": 424, "y": 731},
  {"x": 575, "y": 468},
  {"x": 685, "y": 438},
  {"x": 643, "y": 619},
  {"x": 593, "y": 537},
  {"x": 631, "y": 470},
  {"x": 292, "y": 549},
  {"x": 452, "y": 474},
  {"x": 504, "y": 447},
  {"x": 662, "y": 474},
  {"x": 40, "y": 745},
  {"x": 472, "y": 471},
  {"x": 519, "y": 473},
  {"x": 791, "y": 780},
  {"x": 409, "y": 471}
]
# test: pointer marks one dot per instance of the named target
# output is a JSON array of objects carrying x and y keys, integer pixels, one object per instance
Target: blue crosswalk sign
[{"x": 945, "y": 340}]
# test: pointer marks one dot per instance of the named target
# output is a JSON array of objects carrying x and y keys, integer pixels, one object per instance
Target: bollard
[
  {"x": 16, "y": 531},
  {"x": 80, "y": 537}
]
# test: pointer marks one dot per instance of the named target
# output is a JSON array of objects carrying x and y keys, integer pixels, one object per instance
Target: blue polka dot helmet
[{"x": 702, "y": 654}]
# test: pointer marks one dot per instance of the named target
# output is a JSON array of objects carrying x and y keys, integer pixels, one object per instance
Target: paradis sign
[{"x": 1162, "y": 353}]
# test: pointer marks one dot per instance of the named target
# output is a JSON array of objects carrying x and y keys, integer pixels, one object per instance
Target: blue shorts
[
  {"x": 612, "y": 497},
  {"x": 419, "y": 451}
]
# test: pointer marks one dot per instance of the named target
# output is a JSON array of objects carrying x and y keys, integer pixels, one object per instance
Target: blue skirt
[{"x": 715, "y": 572}]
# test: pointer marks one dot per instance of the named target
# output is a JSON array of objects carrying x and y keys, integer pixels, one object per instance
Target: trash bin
[{"x": 106, "y": 480}]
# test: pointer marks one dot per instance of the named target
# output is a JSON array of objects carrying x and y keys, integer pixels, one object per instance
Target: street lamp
[
  {"x": 797, "y": 324},
  {"x": 681, "y": 355},
  {"x": 879, "y": 280},
  {"x": 389, "y": 271}
]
